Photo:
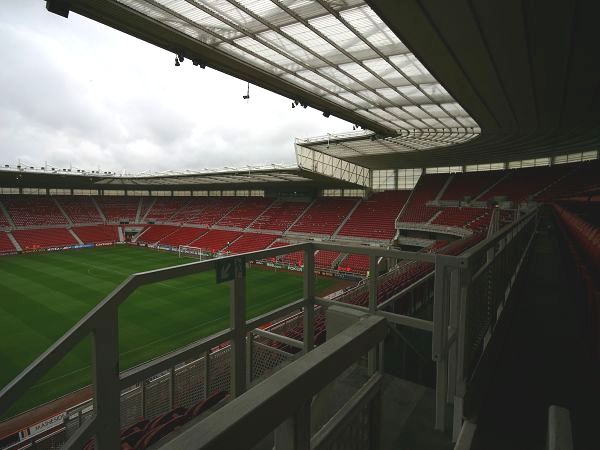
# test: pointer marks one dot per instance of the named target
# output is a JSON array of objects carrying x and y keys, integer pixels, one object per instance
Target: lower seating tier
[{"x": 44, "y": 238}]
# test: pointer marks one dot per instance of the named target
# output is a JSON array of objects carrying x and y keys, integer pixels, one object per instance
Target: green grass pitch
[{"x": 43, "y": 295}]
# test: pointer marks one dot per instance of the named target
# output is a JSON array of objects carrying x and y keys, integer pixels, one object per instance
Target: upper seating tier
[
  {"x": 279, "y": 216},
  {"x": 33, "y": 210},
  {"x": 80, "y": 209},
  {"x": 324, "y": 216}
]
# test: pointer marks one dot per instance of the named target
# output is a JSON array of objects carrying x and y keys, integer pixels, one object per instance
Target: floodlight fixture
[
  {"x": 177, "y": 62},
  {"x": 180, "y": 58},
  {"x": 325, "y": 114}
]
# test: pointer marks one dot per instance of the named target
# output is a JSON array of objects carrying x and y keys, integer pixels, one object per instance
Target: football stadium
[{"x": 428, "y": 280}]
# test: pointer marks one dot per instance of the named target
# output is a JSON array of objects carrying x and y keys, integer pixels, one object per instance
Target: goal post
[{"x": 190, "y": 252}]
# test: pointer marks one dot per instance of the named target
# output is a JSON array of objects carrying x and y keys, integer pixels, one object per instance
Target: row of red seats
[
  {"x": 44, "y": 238},
  {"x": 245, "y": 212},
  {"x": 250, "y": 242},
  {"x": 426, "y": 190},
  {"x": 183, "y": 236},
  {"x": 215, "y": 240},
  {"x": 97, "y": 234},
  {"x": 80, "y": 209},
  {"x": 6, "y": 244},
  {"x": 3, "y": 220},
  {"x": 471, "y": 184},
  {"x": 585, "y": 235},
  {"x": 155, "y": 233},
  {"x": 162, "y": 208},
  {"x": 30, "y": 210},
  {"x": 324, "y": 216},
  {"x": 376, "y": 217},
  {"x": 324, "y": 259},
  {"x": 459, "y": 217},
  {"x": 582, "y": 177},
  {"x": 355, "y": 263},
  {"x": 279, "y": 216},
  {"x": 205, "y": 211},
  {"x": 145, "y": 433},
  {"x": 117, "y": 209}
]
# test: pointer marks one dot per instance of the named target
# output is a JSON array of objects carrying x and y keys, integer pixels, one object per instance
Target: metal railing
[
  {"x": 101, "y": 323},
  {"x": 469, "y": 293}
]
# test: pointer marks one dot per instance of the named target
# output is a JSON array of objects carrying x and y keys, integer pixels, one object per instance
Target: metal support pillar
[
  {"x": 206, "y": 374},
  {"x": 309, "y": 299},
  {"x": 294, "y": 432},
  {"x": 106, "y": 381},
  {"x": 372, "y": 356},
  {"x": 440, "y": 338},
  {"x": 237, "y": 323}
]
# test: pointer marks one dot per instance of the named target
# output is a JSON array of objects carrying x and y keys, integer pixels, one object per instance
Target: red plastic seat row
[
  {"x": 6, "y": 244},
  {"x": 250, "y": 242},
  {"x": 324, "y": 216},
  {"x": 376, "y": 216},
  {"x": 30, "y": 210},
  {"x": 97, "y": 234},
  {"x": 44, "y": 238},
  {"x": 154, "y": 233},
  {"x": 245, "y": 212},
  {"x": 80, "y": 209},
  {"x": 279, "y": 216},
  {"x": 215, "y": 240},
  {"x": 118, "y": 209}
]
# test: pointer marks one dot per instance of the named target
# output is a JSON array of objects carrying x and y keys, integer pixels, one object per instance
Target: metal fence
[{"x": 469, "y": 292}]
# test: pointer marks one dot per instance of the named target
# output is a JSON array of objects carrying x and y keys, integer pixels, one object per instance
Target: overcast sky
[{"x": 75, "y": 92}]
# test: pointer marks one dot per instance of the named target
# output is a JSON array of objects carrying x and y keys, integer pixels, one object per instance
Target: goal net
[{"x": 188, "y": 251}]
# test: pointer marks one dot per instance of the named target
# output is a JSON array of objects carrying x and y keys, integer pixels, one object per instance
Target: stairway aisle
[{"x": 544, "y": 359}]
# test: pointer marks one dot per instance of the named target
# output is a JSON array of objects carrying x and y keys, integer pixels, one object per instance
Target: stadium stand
[
  {"x": 279, "y": 216},
  {"x": 183, "y": 236},
  {"x": 155, "y": 233},
  {"x": 460, "y": 217},
  {"x": 324, "y": 216},
  {"x": 164, "y": 208},
  {"x": 97, "y": 234},
  {"x": 5, "y": 243},
  {"x": 580, "y": 178},
  {"x": 250, "y": 242},
  {"x": 245, "y": 212},
  {"x": 3, "y": 221},
  {"x": 118, "y": 209},
  {"x": 32, "y": 210},
  {"x": 520, "y": 184},
  {"x": 44, "y": 238},
  {"x": 324, "y": 259},
  {"x": 426, "y": 190},
  {"x": 205, "y": 211},
  {"x": 80, "y": 209},
  {"x": 471, "y": 184},
  {"x": 216, "y": 240},
  {"x": 358, "y": 264},
  {"x": 375, "y": 217}
]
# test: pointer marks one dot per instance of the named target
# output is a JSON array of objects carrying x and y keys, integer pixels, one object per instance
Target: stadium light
[
  {"x": 177, "y": 62},
  {"x": 326, "y": 114}
]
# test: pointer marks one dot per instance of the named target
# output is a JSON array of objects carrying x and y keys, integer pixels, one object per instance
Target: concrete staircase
[
  {"x": 347, "y": 218},
  {"x": 143, "y": 219},
  {"x": 4, "y": 211},
  {"x": 14, "y": 241},
  {"x": 59, "y": 206},
  {"x": 99, "y": 209},
  {"x": 79, "y": 241},
  {"x": 299, "y": 217},
  {"x": 139, "y": 210}
]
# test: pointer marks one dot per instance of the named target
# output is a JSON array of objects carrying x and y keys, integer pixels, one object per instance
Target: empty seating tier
[
  {"x": 6, "y": 244},
  {"x": 250, "y": 242},
  {"x": 426, "y": 190},
  {"x": 376, "y": 217},
  {"x": 521, "y": 184},
  {"x": 459, "y": 217},
  {"x": 164, "y": 208},
  {"x": 31, "y": 210},
  {"x": 118, "y": 209},
  {"x": 355, "y": 263},
  {"x": 471, "y": 184},
  {"x": 245, "y": 212},
  {"x": 97, "y": 234},
  {"x": 80, "y": 209},
  {"x": 3, "y": 220},
  {"x": 216, "y": 240},
  {"x": 324, "y": 216},
  {"x": 205, "y": 211},
  {"x": 183, "y": 236},
  {"x": 44, "y": 238},
  {"x": 155, "y": 233},
  {"x": 280, "y": 216},
  {"x": 324, "y": 259}
]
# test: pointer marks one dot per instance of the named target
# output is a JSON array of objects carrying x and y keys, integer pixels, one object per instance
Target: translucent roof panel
[{"x": 337, "y": 49}]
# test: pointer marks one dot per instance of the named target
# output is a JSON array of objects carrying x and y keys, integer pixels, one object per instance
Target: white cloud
[{"x": 76, "y": 92}]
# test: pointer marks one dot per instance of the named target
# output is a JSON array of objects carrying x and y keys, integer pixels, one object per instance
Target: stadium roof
[
  {"x": 438, "y": 83},
  {"x": 284, "y": 177}
]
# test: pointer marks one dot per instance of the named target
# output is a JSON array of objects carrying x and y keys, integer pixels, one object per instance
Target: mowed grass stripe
[{"x": 44, "y": 294}]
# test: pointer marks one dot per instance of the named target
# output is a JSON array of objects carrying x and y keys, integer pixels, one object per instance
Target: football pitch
[{"x": 43, "y": 295}]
